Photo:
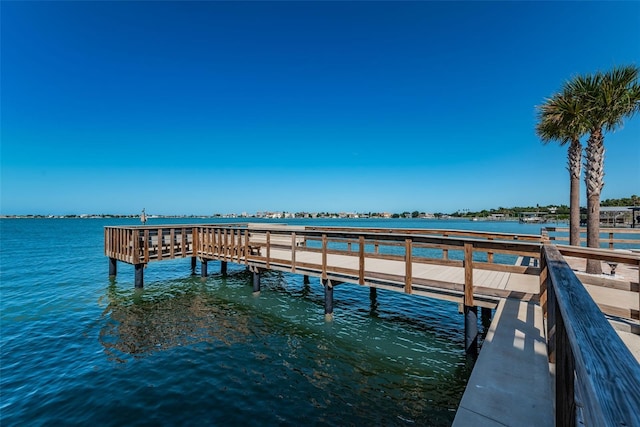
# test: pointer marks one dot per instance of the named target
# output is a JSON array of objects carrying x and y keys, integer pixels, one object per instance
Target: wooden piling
[
  {"x": 139, "y": 275},
  {"x": 373, "y": 294},
  {"x": 223, "y": 268},
  {"x": 256, "y": 281},
  {"x": 373, "y": 298},
  {"x": 471, "y": 330},
  {"x": 328, "y": 299},
  {"x": 193, "y": 265},
  {"x": 113, "y": 267},
  {"x": 485, "y": 316},
  {"x": 203, "y": 268}
]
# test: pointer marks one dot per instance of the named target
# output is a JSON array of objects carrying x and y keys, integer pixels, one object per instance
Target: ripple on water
[{"x": 80, "y": 349}]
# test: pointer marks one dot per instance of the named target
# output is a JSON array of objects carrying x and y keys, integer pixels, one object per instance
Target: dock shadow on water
[{"x": 238, "y": 359}]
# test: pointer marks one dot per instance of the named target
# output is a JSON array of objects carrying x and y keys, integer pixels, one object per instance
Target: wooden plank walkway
[{"x": 510, "y": 384}]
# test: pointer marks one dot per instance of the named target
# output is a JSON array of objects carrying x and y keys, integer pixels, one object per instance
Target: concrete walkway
[{"x": 510, "y": 384}]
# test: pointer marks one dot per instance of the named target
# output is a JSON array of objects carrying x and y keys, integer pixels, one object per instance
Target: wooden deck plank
[{"x": 511, "y": 372}]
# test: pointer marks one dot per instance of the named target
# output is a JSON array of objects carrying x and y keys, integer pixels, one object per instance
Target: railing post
[
  {"x": 246, "y": 247},
  {"x": 232, "y": 245},
  {"x": 268, "y": 247},
  {"x": 544, "y": 235},
  {"x": 361, "y": 261},
  {"x": 145, "y": 246},
  {"x": 468, "y": 274},
  {"x": 293, "y": 252},
  {"x": 470, "y": 310},
  {"x": 106, "y": 241},
  {"x": 225, "y": 244},
  {"x": 445, "y": 252},
  {"x": 195, "y": 241},
  {"x": 160, "y": 244},
  {"x": 183, "y": 242},
  {"x": 172, "y": 243},
  {"x": 408, "y": 264},
  {"x": 324, "y": 257},
  {"x": 490, "y": 254},
  {"x": 136, "y": 247}
]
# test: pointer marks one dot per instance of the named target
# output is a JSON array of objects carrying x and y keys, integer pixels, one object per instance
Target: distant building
[{"x": 616, "y": 216}]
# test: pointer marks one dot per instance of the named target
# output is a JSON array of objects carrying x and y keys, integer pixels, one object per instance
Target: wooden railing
[
  {"x": 141, "y": 245},
  {"x": 263, "y": 247},
  {"x": 613, "y": 258},
  {"x": 597, "y": 378},
  {"x": 613, "y": 238},
  {"x": 281, "y": 248}
]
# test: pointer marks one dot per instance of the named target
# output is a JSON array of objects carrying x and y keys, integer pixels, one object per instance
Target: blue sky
[{"x": 203, "y": 107}]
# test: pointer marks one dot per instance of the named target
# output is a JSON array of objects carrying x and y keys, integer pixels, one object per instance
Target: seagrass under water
[{"x": 78, "y": 348}]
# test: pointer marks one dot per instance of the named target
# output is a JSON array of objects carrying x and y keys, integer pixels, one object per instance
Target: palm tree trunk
[
  {"x": 575, "y": 152},
  {"x": 594, "y": 177}
]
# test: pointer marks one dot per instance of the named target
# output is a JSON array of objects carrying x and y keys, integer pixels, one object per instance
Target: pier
[{"x": 544, "y": 322}]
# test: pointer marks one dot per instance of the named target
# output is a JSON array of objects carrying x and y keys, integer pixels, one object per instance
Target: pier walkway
[
  {"x": 510, "y": 383},
  {"x": 550, "y": 352}
]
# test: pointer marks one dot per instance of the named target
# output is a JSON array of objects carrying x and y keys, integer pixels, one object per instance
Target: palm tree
[
  {"x": 560, "y": 119},
  {"x": 607, "y": 99}
]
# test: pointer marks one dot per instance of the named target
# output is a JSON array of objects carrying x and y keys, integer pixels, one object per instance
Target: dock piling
[
  {"x": 113, "y": 267},
  {"x": 223, "y": 268},
  {"x": 203, "y": 268},
  {"x": 471, "y": 330},
  {"x": 193, "y": 265},
  {"x": 328, "y": 299},
  {"x": 139, "y": 276},
  {"x": 373, "y": 298},
  {"x": 485, "y": 317},
  {"x": 256, "y": 281}
]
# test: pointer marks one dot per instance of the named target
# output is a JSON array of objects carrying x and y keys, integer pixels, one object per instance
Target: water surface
[{"x": 78, "y": 348}]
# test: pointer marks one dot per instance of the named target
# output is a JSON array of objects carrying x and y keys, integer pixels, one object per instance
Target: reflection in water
[
  {"x": 143, "y": 321},
  {"x": 386, "y": 367}
]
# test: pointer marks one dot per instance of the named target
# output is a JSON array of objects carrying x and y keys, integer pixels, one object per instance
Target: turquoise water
[{"x": 78, "y": 348}]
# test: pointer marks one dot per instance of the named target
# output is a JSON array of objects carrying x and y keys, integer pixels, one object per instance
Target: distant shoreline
[{"x": 262, "y": 218}]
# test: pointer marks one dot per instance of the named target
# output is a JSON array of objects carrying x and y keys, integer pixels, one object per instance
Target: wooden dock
[{"x": 474, "y": 269}]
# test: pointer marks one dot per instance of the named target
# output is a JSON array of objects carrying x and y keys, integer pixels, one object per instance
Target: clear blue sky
[{"x": 203, "y": 107}]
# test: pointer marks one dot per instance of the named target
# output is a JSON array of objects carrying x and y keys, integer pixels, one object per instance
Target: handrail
[
  {"x": 596, "y": 374},
  {"x": 441, "y": 232},
  {"x": 607, "y": 235},
  {"x": 606, "y": 255}
]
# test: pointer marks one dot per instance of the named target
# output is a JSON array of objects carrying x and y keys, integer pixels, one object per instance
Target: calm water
[{"x": 78, "y": 348}]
